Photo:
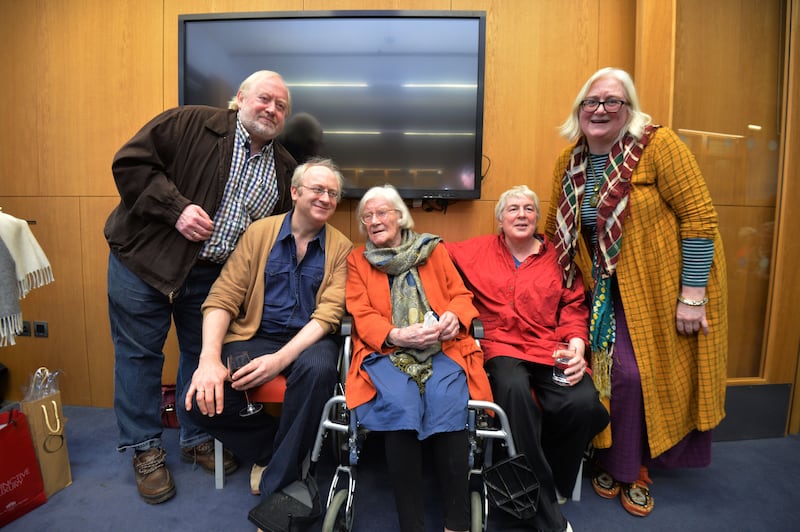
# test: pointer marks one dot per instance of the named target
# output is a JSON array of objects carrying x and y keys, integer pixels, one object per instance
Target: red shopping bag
[{"x": 21, "y": 486}]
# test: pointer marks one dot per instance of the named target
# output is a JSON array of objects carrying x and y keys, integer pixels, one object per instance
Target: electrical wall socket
[
  {"x": 26, "y": 329},
  {"x": 40, "y": 329}
]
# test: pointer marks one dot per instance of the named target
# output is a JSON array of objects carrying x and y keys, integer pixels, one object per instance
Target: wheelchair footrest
[{"x": 512, "y": 486}]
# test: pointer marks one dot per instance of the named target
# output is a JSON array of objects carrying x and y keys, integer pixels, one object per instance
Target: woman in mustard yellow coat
[{"x": 630, "y": 209}]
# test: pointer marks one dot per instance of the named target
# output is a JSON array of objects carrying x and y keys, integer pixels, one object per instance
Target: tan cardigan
[{"x": 240, "y": 287}]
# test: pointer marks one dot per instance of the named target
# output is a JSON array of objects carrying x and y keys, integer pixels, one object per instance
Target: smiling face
[
  {"x": 600, "y": 127},
  {"x": 518, "y": 218},
  {"x": 263, "y": 107},
  {"x": 317, "y": 207},
  {"x": 381, "y": 223}
]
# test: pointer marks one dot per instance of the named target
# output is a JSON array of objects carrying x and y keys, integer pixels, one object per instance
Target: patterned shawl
[
  {"x": 612, "y": 208},
  {"x": 409, "y": 303}
]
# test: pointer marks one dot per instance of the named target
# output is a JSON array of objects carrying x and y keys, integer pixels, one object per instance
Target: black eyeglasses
[
  {"x": 611, "y": 106},
  {"x": 334, "y": 195}
]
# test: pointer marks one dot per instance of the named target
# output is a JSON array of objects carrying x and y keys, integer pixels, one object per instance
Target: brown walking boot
[
  {"x": 202, "y": 454},
  {"x": 153, "y": 480}
]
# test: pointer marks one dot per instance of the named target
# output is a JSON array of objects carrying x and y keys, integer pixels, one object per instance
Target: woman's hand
[
  {"x": 691, "y": 319},
  {"x": 448, "y": 326},
  {"x": 577, "y": 361},
  {"x": 416, "y": 336}
]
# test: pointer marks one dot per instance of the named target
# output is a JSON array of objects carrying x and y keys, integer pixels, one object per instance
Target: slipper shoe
[
  {"x": 605, "y": 485},
  {"x": 636, "y": 499}
]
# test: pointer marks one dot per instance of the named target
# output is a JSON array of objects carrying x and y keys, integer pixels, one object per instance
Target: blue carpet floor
[{"x": 751, "y": 486}]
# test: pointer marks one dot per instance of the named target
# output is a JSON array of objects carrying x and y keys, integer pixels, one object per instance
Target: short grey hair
[
  {"x": 637, "y": 119},
  {"x": 390, "y": 194},
  {"x": 518, "y": 191}
]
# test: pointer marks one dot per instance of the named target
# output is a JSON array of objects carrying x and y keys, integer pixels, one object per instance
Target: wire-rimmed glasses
[
  {"x": 334, "y": 195},
  {"x": 381, "y": 215}
]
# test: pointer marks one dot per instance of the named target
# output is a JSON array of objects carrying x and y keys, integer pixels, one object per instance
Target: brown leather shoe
[
  {"x": 203, "y": 455},
  {"x": 152, "y": 476}
]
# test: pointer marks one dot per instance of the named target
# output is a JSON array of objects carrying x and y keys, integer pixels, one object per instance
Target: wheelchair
[{"x": 508, "y": 484}]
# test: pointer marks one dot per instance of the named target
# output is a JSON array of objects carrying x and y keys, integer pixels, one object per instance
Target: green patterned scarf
[{"x": 409, "y": 303}]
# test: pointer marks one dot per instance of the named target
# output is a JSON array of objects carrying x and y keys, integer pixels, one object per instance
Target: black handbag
[{"x": 292, "y": 509}]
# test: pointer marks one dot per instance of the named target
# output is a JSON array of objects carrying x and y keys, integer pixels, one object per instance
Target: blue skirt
[{"x": 398, "y": 405}]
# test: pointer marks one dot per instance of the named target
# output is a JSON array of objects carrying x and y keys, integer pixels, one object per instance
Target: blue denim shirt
[{"x": 290, "y": 289}]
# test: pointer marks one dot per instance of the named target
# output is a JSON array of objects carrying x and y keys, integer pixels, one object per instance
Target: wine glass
[{"x": 237, "y": 361}]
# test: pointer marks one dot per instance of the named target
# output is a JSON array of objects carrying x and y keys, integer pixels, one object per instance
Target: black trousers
[
  {"x": 450, "y": 459},
  {"x": 552, "y": 431}
]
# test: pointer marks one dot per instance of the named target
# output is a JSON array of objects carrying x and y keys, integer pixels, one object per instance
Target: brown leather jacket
[{"x": 181, "y": 156}]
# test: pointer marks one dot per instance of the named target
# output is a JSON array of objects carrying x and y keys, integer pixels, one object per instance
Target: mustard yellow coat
[{"x": 683, "y": 377}]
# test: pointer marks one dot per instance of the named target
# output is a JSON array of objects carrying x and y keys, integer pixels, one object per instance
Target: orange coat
[{"x": 368, "y": 300}]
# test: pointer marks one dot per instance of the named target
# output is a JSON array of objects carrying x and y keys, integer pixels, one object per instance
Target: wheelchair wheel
[
  {"x": 337, "y": 517},
  {"x": 476, "y": 512}
]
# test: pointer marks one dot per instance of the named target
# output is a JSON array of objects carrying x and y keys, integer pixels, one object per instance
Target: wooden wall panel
[
  {"x": 20, "y": 70},
  {"x": 60, "y": 303},
  {"x": 102, "y": 77},
  {"x": 783, "y": 335},
  {"x": 655, "y": 58},
  {"x": 788, "y": 275}
]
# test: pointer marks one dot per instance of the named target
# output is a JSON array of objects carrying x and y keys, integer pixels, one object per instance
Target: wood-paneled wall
[
  {"x": 83, "y": 75},
  {"x": 87, "y": 74}
]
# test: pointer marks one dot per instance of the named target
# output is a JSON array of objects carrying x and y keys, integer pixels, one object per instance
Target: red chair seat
[{"x": 269, "y": 392}]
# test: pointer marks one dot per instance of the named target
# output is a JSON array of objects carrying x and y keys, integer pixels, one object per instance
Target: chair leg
[
  {"x": 219, "y": 467},
  {"x": 576, "y": 491}
]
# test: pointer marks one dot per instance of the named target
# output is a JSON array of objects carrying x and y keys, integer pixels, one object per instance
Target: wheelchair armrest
[
  {"x": 477, "y": 329},
  {"x": 345, "y": 329}
]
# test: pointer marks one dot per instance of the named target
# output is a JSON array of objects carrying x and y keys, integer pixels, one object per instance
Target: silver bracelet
[{"x": 693, "y": 302}]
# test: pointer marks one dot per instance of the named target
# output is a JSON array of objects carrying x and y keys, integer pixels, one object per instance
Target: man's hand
[
  {"x": 194, "y": 223},
  {"x": 208, "y": 386}
]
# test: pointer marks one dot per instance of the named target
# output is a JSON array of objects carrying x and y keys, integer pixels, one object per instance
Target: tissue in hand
[{"x": 430, "y": 319}]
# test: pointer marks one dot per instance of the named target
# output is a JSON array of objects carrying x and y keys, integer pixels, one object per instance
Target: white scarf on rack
[{"x": 23, "y": 267}]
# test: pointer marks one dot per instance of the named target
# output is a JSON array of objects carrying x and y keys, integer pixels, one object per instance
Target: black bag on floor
[{"x": 292, "y": 509}]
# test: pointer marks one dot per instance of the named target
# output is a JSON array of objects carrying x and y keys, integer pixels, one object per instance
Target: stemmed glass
[{"x": 236, "y": 361}]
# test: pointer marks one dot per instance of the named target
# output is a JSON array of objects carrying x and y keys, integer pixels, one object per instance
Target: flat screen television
[{"x": 399, "y": 94}]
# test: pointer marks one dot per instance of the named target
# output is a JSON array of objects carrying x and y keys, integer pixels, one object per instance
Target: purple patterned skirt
[{"x": 629, "y": 449}]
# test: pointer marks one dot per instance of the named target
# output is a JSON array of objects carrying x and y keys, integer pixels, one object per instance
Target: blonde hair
[{"x": 637, "y": 119}]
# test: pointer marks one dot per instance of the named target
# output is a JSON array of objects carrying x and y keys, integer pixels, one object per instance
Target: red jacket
[{"x": 524, "y": 310}]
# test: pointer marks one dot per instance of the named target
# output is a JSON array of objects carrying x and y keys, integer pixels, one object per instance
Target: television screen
[{"x": 399, "y": 94}]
